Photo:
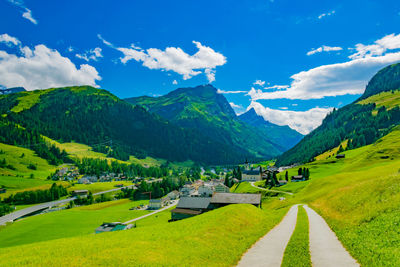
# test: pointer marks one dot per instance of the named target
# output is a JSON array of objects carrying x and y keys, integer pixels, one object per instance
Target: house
[
  {"x": 187, "y": 190},
  {"x": 221, "y": 188},
  {"x": 80, "y": 193},
  {"x": 173, "y": 195},
  {"x": 3, "y": 190},
  {"x": 298, "y": 178},
  {"x": 190, "y": 206},
  {"x": 113, "y": 226},
  {"x": 340, "y": 156},
  {"x": 155, "y": 204},
  {"x": 206, "y": 190},
  {"x": 83, "y": 180},
  {"x": 250, "y": 175},
  {"x": 223, "y": 199},
  {"x": 119, "y": 185}
]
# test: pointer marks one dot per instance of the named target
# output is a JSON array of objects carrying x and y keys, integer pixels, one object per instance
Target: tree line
[{"x": 37, "y": 196}]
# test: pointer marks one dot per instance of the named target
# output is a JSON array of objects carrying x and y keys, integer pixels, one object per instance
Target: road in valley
[
  {"x": 152, "y": 213},
  {"x": 24, "y": 212},
  {"x": 270, "y": 190}
]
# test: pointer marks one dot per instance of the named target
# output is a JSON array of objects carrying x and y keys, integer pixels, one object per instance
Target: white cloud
[
  {"x": 43, "y": 67},
  {"x": 284, "y": 108},
  {"x": 259, "y": 82},
  {"x": 28, "y": 15},
  {"x": 301, "y": 121},
  {"x": 26, "y": 12},
  {"x": 219, "y": 91},
  {"x": 205, "y": 60},
  {"x": 279, "y": 87},
  {"x": 331, "y": 80},
  {"x": 326, "y": 14},
  {"x": 9, "y": 40},
  {"x": 175, "y": 82},
  {"x": 378, "y": 48},
  {"x": 233, "y": 105},
  {"x": 70, "y": 49},
  {"x": 324, "y": 48},
  {"x": 92, "y": 54}
]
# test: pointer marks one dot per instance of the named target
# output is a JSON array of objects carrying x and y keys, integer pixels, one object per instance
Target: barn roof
[
  {"x": 233, "y": 198},
  {"x": 194, "y": 202}
]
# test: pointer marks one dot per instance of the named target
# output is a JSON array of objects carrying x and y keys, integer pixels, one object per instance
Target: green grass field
[
  {"x": 216, "y": 238},
  {"x": 297, "y": 252},
  {"x": 78, "y": 221},
  {"x": 387, "y": 99},
  {"x": 98, "y": 187}
]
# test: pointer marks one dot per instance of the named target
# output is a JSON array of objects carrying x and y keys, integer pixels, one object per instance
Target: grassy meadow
[
  {"x": 216, "y": 238},
  {"x": 79, "y": 221}
]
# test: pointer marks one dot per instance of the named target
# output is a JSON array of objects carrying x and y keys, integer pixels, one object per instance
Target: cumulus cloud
[
  {"x": 349, "y": 77},
  {"x": 233, "y": 105},
  {"x": 323, "y": 48},
  {"x": 259, "y": 82},
  {"x": 326, "y": 14},
  {"x": 26, "y": 12},
  {"x": 205, "y": 60},
  {"x": 175, "y": 82},
  {"x": 9, "y": 40},
  {"x": 92, "y": 54},
  {"x": 278, "y": 87},
  {"x": 43, "y": 67},
  {"x": 301, "y": 121},
  {"x": 219, "y": 91},
  {"x": 378, "y": 48}
]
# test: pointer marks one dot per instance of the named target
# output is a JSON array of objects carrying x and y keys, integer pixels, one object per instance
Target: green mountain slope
[
  {"x": 203, "y": 109},
  {"x": 282, "y": 135},
  {"x": 91, "y": 116},
  {"x": 361, "y": 122}
]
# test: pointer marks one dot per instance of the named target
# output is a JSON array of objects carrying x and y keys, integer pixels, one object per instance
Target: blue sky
[{"x": 307, "y": 56}]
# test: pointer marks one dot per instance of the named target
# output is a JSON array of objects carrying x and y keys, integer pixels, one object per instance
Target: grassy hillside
[
  {"x": 95, "y": 117},
  {"x": 67, "y": 223},
  {"x": 216, "y": 238},
  {"x": 358, "y": 196}
]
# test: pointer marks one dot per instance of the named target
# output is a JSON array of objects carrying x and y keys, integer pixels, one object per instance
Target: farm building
[
  {"x": 80, "y": 193},
  {"x": 111, "y": 227},
  {"x": 340, "y": 156},
  {"x": 298, "y": 178},
  {"x": 223, "y": 199},
  {"x": 221, "y": 188}
]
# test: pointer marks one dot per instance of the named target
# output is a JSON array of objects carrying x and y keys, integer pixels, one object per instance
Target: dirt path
[
  {"x": 268, "y": 251},
  {"x": 325, "y": 248},
  {"x": 270, "y": 190}
]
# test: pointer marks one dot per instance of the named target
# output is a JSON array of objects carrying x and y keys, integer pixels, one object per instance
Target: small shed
[
  {"x": 80, "y": 193},
  {"x": 298, "y": 178},
  {"x": 155, "y": 204},
  {"x": 340, "y": 156},
  {"x": 3, "y": 190},
  {"x": 111, "y": 227}
]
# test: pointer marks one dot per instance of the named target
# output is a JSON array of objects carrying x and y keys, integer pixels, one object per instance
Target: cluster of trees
[
  {"x": 158, "y": 189},
  {"x": 354, "y": 122},
  {"x": 4, "y": 209},
  {"x": 305, "y": 172},
  {"x": 89, "y": 115},
  {"x": 237, "y": 173},
  {"x": 96, "y": 167},
  {"x": 3, "y": 164},
  {"x": 37, "y": 196},
  {"x": 12, "y": 134}
]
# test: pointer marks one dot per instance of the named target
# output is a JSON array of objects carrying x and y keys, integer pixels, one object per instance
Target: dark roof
[
  {"x": 298, "y": 177},
  {"x": 80, "y": 191},
  {"x": 186, "y": 211},
  {"x": 340, "y": 156},
  {"x": 155, "y": 201},
  {"x": 251, "y": 172},
  {"x": 233, "y": 198},
  {"x": 194, "y": 202}
]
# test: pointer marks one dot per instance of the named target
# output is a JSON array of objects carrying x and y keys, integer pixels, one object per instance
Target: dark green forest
[{"x": 90, "y": 116}]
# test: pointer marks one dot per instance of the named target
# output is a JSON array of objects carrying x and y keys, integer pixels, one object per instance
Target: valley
[{"x": 182, "y": 155}]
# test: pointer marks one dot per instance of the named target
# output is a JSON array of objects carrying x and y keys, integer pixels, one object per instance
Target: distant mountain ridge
[
  {"x": 91, "y": 116},
  {"x": 11, "y": 90},
  {"x": 282, "y": 135},
  {"x": 204, "y": 109}
]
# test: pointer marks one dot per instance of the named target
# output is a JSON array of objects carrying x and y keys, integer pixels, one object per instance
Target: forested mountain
[
  {"x": 282, "y": 135},
  {"x": 385, "y": 80},
  {"x": 362, "y": 122},
  {"x": 91, "y": 116},
  {"x": 203, "y": 109}
]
